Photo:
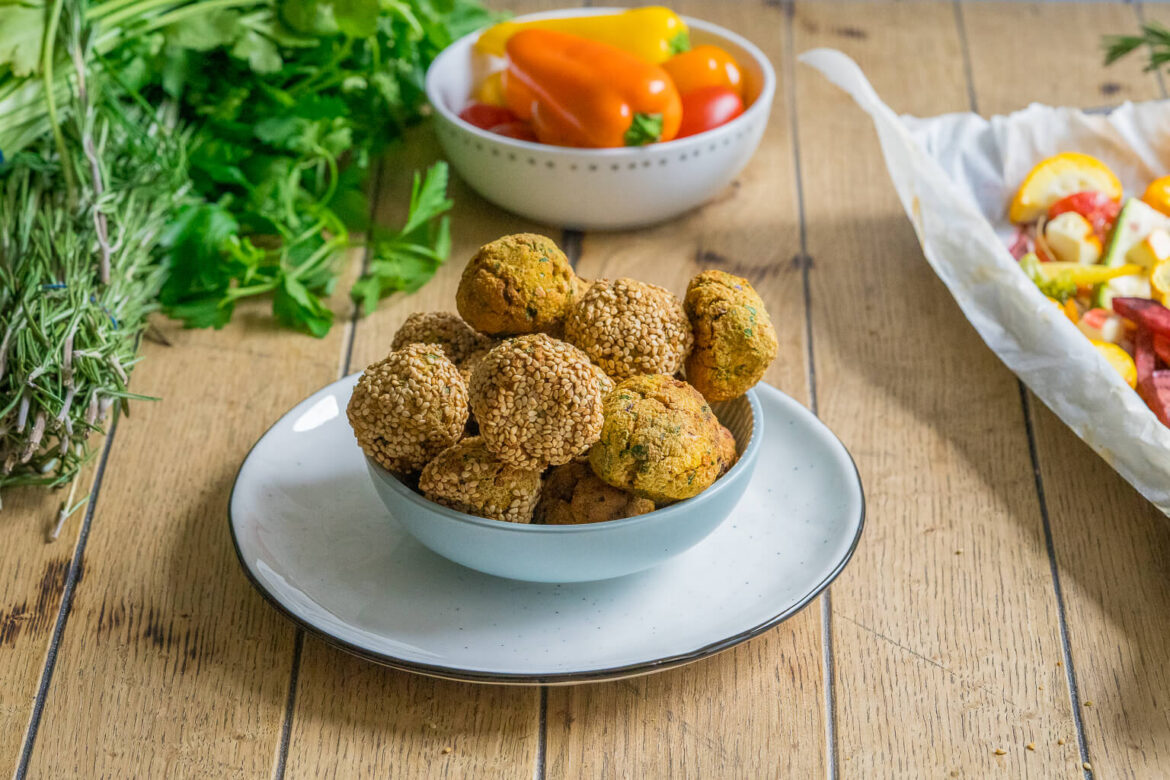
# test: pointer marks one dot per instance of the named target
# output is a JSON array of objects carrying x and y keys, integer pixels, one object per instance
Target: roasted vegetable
[
  {"x": 578, "y": 92},
  {"x": 1146, "y": 314}
]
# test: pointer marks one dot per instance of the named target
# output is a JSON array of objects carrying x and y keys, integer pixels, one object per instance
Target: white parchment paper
[{"x": 955, "y": 175}]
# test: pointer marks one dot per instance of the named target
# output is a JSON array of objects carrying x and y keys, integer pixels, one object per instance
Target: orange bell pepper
[
  {"x": 704, "y": 66},
  {"x": 579, "y": 92}
]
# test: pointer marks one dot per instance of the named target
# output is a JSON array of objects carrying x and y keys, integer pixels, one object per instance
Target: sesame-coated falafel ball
[
  {"x": 630, "y": 328},
  {"x": 444, "y": 329},
  {"x": 537, "y": 401},
  {"x": 734, "y": 338},
  {"x": 408, "y": 407},
  {"x": 517, "y": 284},
  {"x": 660, "y": 439},
  {"x": 573, "y": 494},
  {"x": 467, "y": 477}
]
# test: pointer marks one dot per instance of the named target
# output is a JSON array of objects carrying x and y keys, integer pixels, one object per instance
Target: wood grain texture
[
  {"x": 355, "y": 719},
  {"x": 171, "y": 664},
  {"x": 1050, "y": 53},
  {"x": 757, "y": 710},
  {"x": 32, "y": 579},
  {"x": 1112, "y": 546},
  {"x": 946, "y": 624}
]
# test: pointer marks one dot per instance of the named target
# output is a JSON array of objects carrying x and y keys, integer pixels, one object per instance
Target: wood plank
[
  {"x": 1112, "y": 546},
  {"x": 946, "y": 625},
  {"x": 171, "y": 664},
  {"x": 757, "y": 710},
  {"x": 32, "y": 579},
  {"x": 1050, "y": 53},
  {"x": 354, "y": 718}
]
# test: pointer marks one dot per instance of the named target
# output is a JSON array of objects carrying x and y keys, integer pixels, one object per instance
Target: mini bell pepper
[
  {"x": 579, "y": 92},
  {"x": 653, "y": 34},
  {"x": 704, "y": 66}
]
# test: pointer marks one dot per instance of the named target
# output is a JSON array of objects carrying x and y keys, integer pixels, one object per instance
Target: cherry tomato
[
  {"x": 1098, "y": 208},
  {"x": 708, "y": 108},
  {"x": 515, "y": 129},
  {"x": 704, "y": 66},
  {"x": 486, "y": 117}
]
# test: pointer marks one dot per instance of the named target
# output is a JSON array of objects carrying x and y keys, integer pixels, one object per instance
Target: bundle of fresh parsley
[{"x": 261, "y": 120}]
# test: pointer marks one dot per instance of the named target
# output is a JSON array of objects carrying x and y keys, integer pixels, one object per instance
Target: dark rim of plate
[{"x": 559, "y": 678}]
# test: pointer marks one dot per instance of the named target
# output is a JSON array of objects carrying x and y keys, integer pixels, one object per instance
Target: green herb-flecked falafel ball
[
  {"x": 408, "y": 407},
  {"x": 538, "y": 401},
  {"x": 517, "y": 284},
  {"x": 467, "y": 477},
  {"x": 630, "y": 328},
  {"x": 734, "y": 338},
  {"x": 660, "y": 440}
]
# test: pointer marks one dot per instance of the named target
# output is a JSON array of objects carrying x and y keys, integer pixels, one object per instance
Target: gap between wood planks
[
  {"x": 1033, "y": 451},
  {"x": 72, "y": 577},
  {"x": 805, "y": 262},
  {"x": 343, "y": 370}
]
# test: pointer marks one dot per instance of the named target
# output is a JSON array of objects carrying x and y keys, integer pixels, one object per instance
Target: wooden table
[{"x": 1005, "y": 615}]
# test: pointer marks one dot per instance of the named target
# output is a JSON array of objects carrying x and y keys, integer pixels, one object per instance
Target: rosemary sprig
[
  {"x": 1153, "y": 35},
  {"x": 78, "y": 275}
]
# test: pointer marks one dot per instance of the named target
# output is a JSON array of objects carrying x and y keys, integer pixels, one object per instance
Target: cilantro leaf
[{"x": 406, "y": 260}]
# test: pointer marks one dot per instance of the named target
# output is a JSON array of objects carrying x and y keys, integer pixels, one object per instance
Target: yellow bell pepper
[
  {"x": 1086, "y": 275},
  {"x": 654, "y": 34},
  {"x": 491, "y": 90}
]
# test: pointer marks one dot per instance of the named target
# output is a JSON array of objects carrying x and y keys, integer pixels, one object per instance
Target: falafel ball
[
  {"x": 408, "y": 407},
  {"x": 538, "y": 401},
  {"x": 660, "y": 439},
  {"x": 467, "y": 477},
  {"x": 444, "y": 329},
  {"x": 517, "y": 284},
  {"x": 573, "y": 494},
  {"x": 727, "y": 451},
  {"x": 630, "y": 328},
  {"x": 734, "y": 338}
]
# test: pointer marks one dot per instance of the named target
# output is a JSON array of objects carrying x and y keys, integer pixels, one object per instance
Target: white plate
[{"x": 315, "y": 540}]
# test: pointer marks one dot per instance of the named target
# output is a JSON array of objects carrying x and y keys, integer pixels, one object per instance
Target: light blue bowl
[{"x": 581, "y": 553}]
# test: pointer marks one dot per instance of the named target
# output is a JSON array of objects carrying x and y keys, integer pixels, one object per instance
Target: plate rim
[{"x": 557, "y": 678}]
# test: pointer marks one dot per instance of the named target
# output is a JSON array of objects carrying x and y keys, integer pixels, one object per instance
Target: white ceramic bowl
[
  {"x": 598, "y": 188},
  {"x": 581, "y": 553}
]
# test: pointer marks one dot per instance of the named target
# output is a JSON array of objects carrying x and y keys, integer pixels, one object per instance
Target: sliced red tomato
[
  {"x": 515, "y": 129},
  {"x": 707, "y": 108},
  {"x": 486, "y": 117},
  {"x": 1097, "y": 207}
]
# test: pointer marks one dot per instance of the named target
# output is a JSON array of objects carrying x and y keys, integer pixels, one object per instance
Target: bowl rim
[
  {"x": 689, "y": 504},
  {"x": 761, "y": 105}
]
